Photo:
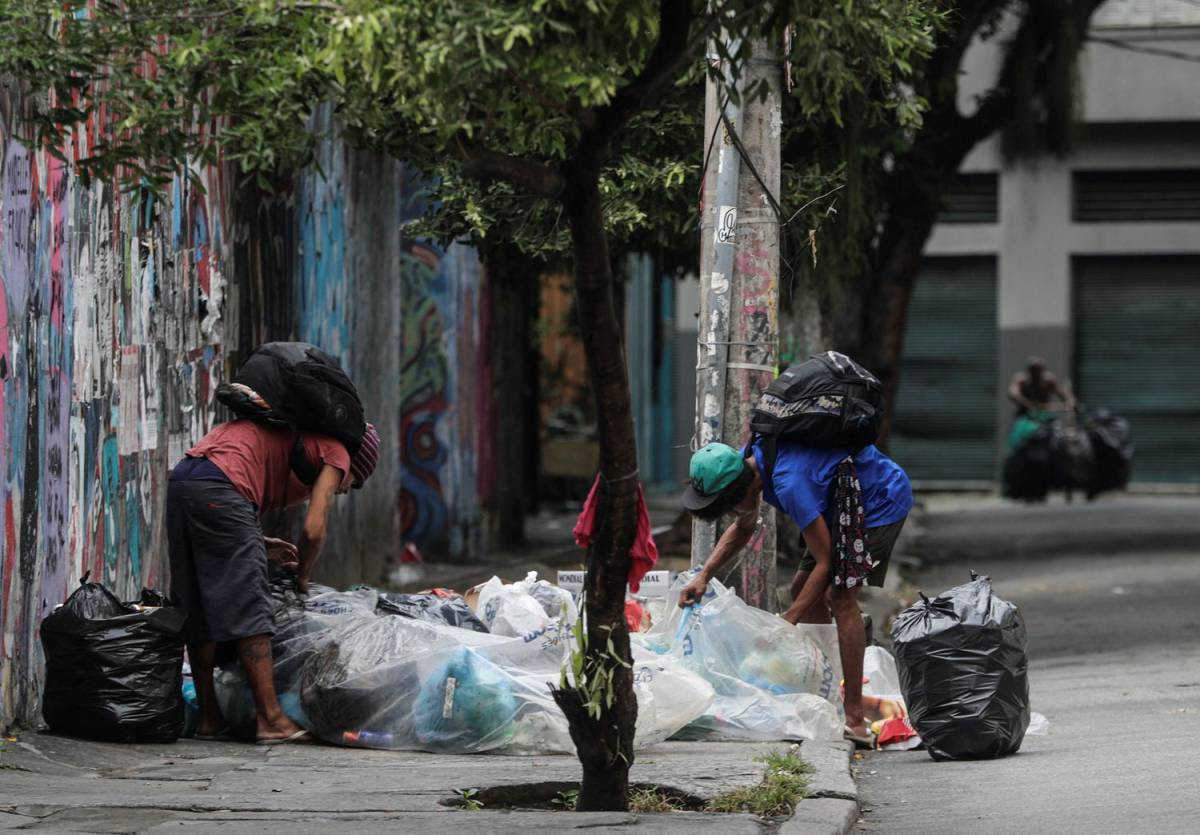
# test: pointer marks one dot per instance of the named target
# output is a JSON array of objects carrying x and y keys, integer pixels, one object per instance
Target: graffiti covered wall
[
  {"x": 111, "y": 318},
  {"x": 119, "y": 316},
  {"x": 443, "y": 392}
]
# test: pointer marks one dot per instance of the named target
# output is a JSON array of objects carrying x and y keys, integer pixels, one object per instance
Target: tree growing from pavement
[
  {"x": 530, "y": 99},
  {"x": 896, "y": 172}
]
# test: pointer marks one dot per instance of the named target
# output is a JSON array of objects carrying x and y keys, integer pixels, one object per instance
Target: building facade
[{"x": 1091, "y": 261}]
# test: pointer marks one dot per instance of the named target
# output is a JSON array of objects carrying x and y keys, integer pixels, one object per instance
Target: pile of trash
[
  {"x": 447, "y": 673},
  {"x": 772, "y": 680},
  {"x": 389, "y": 671}
]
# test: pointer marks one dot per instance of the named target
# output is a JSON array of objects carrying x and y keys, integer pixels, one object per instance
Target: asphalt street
[{"x": 1110, "y": 595}]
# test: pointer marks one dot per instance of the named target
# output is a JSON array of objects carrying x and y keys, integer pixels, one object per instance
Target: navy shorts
[{"x": 218, "y": 561}]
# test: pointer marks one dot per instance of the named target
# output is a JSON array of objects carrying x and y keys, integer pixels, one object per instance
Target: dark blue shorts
[{"x": 218, "y": 560}]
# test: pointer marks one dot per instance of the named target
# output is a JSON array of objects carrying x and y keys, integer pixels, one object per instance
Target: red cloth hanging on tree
[{"x": 644, "y": 553}]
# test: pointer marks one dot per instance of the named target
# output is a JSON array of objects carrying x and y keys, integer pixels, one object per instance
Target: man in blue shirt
[{"x": 802, "y": 486}]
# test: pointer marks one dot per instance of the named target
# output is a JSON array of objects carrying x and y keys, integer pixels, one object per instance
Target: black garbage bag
[
  {"x": 963, "y": 672},
  {"x": 1028, "y": 469},
  {"x": 113, "y": 669},
  {"x": 1112, "y": 443},
  {"x": 1073, "y": 463},
  {"x": 429, "y": 607}
]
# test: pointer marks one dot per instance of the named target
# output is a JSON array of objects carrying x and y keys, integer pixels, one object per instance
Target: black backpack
[
  {"x": 306, "y": 390},
  {"x": 827, "y": 401}
]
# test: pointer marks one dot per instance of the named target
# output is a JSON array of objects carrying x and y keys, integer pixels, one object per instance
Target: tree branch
[
  {"x": 480, "y": 163},
  {"x": 668, "y": 57},
  {"x": 998, "y": 105}
]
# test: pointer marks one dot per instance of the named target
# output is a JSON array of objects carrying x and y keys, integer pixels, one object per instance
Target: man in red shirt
[{"x": 219, "y": 555}]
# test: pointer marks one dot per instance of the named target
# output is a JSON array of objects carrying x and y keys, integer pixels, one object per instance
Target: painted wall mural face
[{"x": 111, "y": 324}]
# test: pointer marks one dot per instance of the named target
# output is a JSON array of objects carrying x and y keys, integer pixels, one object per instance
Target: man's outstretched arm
[{"x": 733, "y": 540}]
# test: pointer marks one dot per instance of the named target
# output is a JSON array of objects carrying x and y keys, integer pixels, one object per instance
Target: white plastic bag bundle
[
  {"x": 510, "y": 610},
  {"x": 772, "y": 680},
  {"x": 556, "y": 602}
]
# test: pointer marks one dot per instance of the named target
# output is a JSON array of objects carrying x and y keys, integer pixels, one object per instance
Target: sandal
[
  {"x": 866, "y": 742},
  {"x": 298, "y": 736}
]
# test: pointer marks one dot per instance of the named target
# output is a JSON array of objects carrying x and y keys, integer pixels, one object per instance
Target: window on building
[
  {"x": 1121, "y": 196},
  {"x": 971, "y": 198}
]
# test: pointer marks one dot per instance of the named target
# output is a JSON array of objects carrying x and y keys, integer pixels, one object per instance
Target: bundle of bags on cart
[{"x": 1092, "y": 453}]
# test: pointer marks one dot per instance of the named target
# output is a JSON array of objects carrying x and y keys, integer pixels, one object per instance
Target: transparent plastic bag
[
  {"x": 772, "y": 680},
  {"x": 355, "y": 677}
]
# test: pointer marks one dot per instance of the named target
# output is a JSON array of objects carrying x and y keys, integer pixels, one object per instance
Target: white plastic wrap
[
  {"x": 882, "y": 677},
  {"x": 772, "y": 680},
  {"x": 356, "y": 678}
]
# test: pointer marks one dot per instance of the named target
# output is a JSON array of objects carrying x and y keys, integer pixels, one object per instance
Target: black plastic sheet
[
  {"x": 453, "y": 611},
  {"x": 1112, "y": 442},
  {"x": 113, "y": 669},
  {"x": 963, "y": 671}
]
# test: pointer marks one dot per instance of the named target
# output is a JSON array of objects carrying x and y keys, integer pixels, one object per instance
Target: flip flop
[
  {"x": 867, "y": 742},
  {"x": 223, "y": 735},
  {"x": 298, "y": 736}
]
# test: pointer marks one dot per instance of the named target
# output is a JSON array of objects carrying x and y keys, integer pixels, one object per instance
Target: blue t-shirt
[{"x": 802, "y": 484}]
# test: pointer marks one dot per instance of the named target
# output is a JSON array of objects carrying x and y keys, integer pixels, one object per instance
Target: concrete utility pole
[{"x": 739, "y": 289}]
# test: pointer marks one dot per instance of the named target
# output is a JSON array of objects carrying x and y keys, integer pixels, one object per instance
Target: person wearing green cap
[{"x": 850, "y": 507}]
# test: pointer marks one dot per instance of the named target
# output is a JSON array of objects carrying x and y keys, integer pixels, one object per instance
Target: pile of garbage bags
[
  {"x": 430, "y": 672},
  {"x": 771, "y": 680},
  {"x": 356, "y": 674},
  {"x": 1093, "y": 455},
  {"x": 114, "y": 669}
]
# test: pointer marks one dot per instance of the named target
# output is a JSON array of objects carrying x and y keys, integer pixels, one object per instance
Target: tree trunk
[
  {"x": 604, "y": 744},
  {"x": 514, "y": 279},
  {"x": 885, "y": 306}
]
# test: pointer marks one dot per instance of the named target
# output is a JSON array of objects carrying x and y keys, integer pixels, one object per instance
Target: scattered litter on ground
[{"x": 1039, "y": 725}]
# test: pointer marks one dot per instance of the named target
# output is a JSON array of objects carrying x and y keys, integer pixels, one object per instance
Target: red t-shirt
[{"x": 256, "y": 459}]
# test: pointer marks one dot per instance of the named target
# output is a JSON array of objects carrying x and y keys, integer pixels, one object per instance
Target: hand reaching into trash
[
  {"x": 693, "y": 592},
  {"x": 282, "y": 552}
]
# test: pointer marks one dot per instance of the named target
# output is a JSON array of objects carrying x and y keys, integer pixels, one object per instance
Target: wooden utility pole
[{"x": 739, "y": 287}]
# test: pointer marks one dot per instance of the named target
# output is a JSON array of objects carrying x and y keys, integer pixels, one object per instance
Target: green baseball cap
[{"x": 713, "y": 468}]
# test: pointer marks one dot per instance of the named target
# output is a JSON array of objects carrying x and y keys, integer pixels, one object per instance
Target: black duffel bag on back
[
  {"x": 298, "y": 386},
  {"x": 114, "y": 671},
  {"x": 963, "y": 672},
  {"x": 827, "y": 401}
]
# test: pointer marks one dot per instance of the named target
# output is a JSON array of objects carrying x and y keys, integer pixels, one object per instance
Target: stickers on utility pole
[{"x": 726, "y": 225}]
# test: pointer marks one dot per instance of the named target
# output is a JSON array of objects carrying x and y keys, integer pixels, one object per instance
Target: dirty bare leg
[
  {"x": 255, "y": 654},
  {"x": 852, "y": 640},
  {"x": 201, "y": 656}
]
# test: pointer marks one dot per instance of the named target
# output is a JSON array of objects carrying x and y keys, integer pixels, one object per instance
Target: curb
[{"x": 831, "y": 807}]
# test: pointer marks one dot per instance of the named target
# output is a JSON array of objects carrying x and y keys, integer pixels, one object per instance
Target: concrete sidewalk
[{"x": 57, "y": 784}]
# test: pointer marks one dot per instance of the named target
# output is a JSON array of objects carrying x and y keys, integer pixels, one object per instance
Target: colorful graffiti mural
[
  {"x": 111, "y": 318},
  {"x": 121, "y": 313}
]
